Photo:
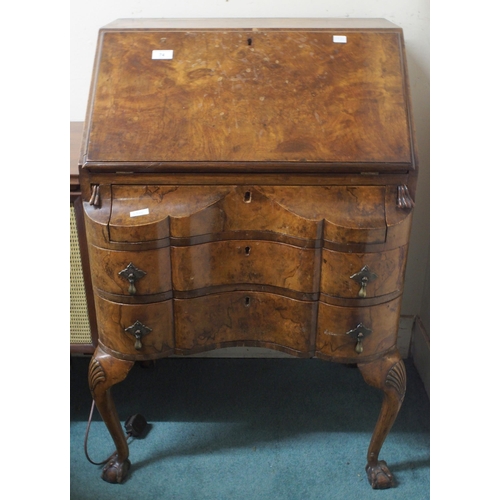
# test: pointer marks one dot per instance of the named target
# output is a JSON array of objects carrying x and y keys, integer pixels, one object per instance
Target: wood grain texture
[
  {"x": 107, "y": 264},
  {"x": 245, "y": 262},
  {"x": 350, "y": 214},
  {"x": 398, "y": 221},
  {"x": 265, "y": 162},
  {"x": 104, "y": 372},
  {"x": 389, "y": 375},
  {"x": 114, "y": 318},
  {"x": 261, "y": 319},
  {"x": 337, "y": 269},
  {"x": 97, "y": 219},
  {"x": 285, "y": 97},
  {"x": 334, "y": 322}
]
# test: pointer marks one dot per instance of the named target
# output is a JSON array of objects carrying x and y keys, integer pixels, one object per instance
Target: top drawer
[{"x": 340, "y": 214}]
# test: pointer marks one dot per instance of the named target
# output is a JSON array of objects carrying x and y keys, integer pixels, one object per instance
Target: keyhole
[
  {"x": 248, "y": 197},
  {"x": 247, "y": 301},
  {"x": 247, "y": 251},
  {"x": 249, "y": 41}
]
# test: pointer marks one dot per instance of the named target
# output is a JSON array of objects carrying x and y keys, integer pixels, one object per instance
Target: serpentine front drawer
[
  {"x": 243, "y": 263},
  {"x": 244, "y": 318},
  {"x": 351, "y": 214}
]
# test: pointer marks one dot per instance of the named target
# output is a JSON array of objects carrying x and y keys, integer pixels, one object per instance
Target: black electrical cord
[{"x": 87, "y": 435}]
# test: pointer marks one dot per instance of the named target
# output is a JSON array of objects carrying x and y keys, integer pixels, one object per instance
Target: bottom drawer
[
  {"x": 114, "y": 318},
  {"x": 375, "y": 326},
  {"x": 244, "y": 318}
]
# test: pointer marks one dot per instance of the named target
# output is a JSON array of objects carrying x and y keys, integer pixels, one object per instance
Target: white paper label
[
  {"x": 162, "y": 54},
  {"x": 138, "y": 213},
  {"x": 339, "y": 39}
]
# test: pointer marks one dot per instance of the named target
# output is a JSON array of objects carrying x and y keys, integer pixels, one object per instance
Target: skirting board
[{"x": 421, "y": 353}]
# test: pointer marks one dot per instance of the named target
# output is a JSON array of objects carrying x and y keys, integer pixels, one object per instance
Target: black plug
[{"x": 135, "y": 425}]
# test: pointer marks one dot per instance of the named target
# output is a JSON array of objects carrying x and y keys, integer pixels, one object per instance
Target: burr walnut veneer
[{"x": 249, "y": 183}]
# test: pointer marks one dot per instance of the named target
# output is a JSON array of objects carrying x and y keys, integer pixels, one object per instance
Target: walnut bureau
[{"x": 249, "y": 182}]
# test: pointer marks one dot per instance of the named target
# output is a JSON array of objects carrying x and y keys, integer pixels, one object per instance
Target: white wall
[{"x": 87, "y": 16}]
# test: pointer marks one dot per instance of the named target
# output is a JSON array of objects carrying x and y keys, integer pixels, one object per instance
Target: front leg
[
  {"x": 104, "y": 372},
  {"x": 389, "y": 375}
]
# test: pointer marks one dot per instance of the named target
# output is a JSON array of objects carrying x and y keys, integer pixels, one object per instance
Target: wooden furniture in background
[
  {"x": 83, "y": 326},
  {"x": 249, "y": 183}
]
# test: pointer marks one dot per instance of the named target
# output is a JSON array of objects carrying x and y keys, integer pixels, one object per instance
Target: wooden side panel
[
  {"x": 97, "y": 218},
  {"x": 244, "y": 318},
  {"x": 398, "y": 220}
]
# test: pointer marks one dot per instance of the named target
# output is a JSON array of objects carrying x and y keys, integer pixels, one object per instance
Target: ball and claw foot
[
  {"x": 379, "y": 476},
  {"x": 115, "y": 471}
]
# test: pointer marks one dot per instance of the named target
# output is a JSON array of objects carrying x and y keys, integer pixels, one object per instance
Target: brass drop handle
[
  {"x": 138, "y": 330},
  {"x": 358, "y": 334},
  {"x": 363, "y": 277},
  {"x": 132, "y": 274},
  {"x": 362, "y": 291}
]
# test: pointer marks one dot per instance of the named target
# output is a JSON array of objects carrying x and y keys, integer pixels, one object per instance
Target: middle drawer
[
  {"x": 148, "y": 271},
  {"x": 251, "y": 262}
]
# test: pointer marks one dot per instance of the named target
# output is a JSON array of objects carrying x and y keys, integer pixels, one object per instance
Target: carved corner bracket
[
  {"x": 404, "y": 199},
  {"x": 396, "y": 379},
  {"x": 95, "y": 197},
  {"x": 96, "y": 374}
]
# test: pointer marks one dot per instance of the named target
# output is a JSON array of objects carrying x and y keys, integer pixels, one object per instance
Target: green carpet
[{"x": 246, "y": 429}]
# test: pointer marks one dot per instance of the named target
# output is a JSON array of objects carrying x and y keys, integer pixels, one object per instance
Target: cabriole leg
[
  {"x": 104, "y": 372},
  {"x": 389, "y": 375}
]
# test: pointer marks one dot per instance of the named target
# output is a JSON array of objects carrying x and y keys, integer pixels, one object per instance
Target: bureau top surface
[{"x": 249, "y": 92}]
